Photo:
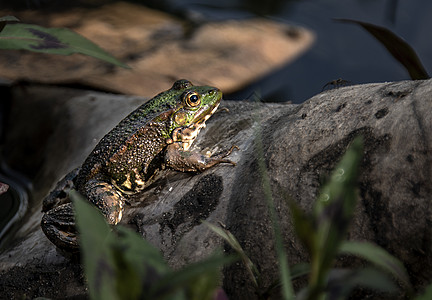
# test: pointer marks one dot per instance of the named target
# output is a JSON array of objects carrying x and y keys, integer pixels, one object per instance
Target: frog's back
[{"x": 132, "y": 142}]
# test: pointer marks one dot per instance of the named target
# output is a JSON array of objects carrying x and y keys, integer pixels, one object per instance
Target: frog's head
[{"x": 195, "y": 104}]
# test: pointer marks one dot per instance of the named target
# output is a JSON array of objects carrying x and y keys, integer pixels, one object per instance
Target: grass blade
[
  {"x": 304, "y": 227},
  {"x": 396, "y": 46},
  {"x": 332, "y": 213},
  {"x": 299, "y": 270},
  {"x": 427, "y": 294},
  {"x": 197, "y": 276},
  {"x": 379, "y": 257},
  {"x": 233, "y": 242},
  {"x": 99, "y": 265},
  {"x": 342, "y": 281}
]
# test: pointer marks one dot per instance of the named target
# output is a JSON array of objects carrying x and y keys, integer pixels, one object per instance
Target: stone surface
[
  {"x": 159, "y": 48},
  {"x": 302, "y": 143}
]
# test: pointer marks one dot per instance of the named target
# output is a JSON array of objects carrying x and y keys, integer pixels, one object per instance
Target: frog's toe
[
  {"x": 58, "y": 225},
  {"x": 227, "y": 153}
]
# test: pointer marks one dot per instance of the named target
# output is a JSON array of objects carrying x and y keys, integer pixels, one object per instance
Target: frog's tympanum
[{"x": 158, "y": 133}]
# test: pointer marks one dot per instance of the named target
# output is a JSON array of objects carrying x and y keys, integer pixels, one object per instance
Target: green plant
[
  {"x": 59, "y": 41},
  {"x": 120, "y": 264},
  {"x": 323, "y": 234},
  {"x": 396, "y": 46}
]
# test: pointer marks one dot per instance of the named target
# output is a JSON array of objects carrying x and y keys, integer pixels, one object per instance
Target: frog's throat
[{"x": 187, "y": 135}]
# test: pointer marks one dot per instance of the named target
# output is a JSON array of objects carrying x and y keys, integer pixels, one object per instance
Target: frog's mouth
[{"x": 187, "y": 135}]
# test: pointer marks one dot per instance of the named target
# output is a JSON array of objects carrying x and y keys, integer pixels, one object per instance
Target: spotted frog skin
[{"x": 157, "y": 134}]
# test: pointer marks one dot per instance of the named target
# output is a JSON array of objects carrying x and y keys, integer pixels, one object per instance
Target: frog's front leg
[{"x": 186, "y": 161}]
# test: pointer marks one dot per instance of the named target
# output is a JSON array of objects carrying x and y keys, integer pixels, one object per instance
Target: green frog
[{"x": 156, "y": 135}]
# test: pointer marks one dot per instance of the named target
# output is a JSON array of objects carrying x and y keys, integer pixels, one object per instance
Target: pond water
[{"x": 341, "y": 50}]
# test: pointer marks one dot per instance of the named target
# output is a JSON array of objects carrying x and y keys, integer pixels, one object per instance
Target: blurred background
[{"x": 340, "y": 50}]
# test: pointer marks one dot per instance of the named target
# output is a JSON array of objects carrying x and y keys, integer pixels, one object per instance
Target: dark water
[
  {"x": 13, "y": 203},
  {"x": 341, "y": 50}
]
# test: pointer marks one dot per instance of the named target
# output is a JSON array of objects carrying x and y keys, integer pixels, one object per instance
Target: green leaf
[
  {"x": 232, "y": 241},
  {"x": 5, "y": 20},
  {"x": 95, "y": 237},
  {"x": 379, "y": 257},
  {"x": 299, "y": 270},
  {"x": 120, "y": 264},
  {"x": 397, "y": 47},
  {"x": 332, "y": 213},
  {"x": 342, "y": 281},
  {"x": 427, "y": 294},
  {"x": 201, "y": 278},
  {"x": 296, "y": 271},
  {"x": 138, "y": 264},
  {"x": 304, "y": 227},
  {"x": 138, "y": 251},
  {"x": 60, "y": 41}
]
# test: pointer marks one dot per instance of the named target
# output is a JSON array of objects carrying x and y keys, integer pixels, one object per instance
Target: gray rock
[{"x": 302, "y": 143}]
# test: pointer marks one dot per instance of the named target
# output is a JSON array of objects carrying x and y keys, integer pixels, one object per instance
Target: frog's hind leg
[
  {"x": 107, "y": 198},
  {"x": 58, "y": 224}
]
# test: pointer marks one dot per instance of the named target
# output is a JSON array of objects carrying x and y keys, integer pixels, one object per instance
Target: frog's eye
[{"x": 192, "y": 99}]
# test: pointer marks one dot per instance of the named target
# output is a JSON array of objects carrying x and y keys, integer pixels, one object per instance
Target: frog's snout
[{"x": 215, "y": 92}]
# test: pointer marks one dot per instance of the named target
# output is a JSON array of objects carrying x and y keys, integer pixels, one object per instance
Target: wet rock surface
[{"x": 302, "y": 143}]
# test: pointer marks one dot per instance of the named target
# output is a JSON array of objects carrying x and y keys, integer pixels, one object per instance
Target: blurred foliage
[
  {"x": 323, "y": 233},
  {"x": 397, "y": 47},
  {"x": 60, "y": 41},
  {"x": 296, "y": 271},
  {"x": 120, "y": 264},
  {"x": 426, "y": 295}
]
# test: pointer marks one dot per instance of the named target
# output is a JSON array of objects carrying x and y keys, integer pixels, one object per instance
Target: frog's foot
[
  {"x": 58, "y": 224},
  {"x": 107, "y": 198},
  {"x": 225, "y": 154},
  {"x": 222, "y": 109},
  {"x": 185, "y": 161}
]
